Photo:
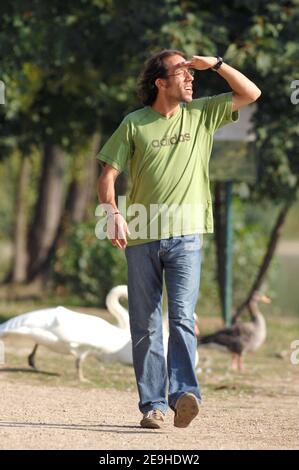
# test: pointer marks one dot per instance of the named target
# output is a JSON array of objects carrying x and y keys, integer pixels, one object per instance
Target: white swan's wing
[
  {"x": 89, "y": 331},
  {"x": 62, "y": 329},
  {"x": 38, "y": 318},
  {"x": 38, "y": 326}
]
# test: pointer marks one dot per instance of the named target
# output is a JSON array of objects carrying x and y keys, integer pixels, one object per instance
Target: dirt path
[{"x": 42, "y": 417}]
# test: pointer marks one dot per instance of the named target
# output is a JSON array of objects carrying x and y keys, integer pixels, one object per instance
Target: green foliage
[
  {"x": 70, "y": 68},
  {"x": 8, "y": 178},
  {"x": 63, "y": 89},
  {"x": 291, "y": 228},
  {"x": 251, "y": 231},
  {"x": 208, "y": 301},
  {"x": 87, "y": 267},
  {"x": 251, "y": 225}
]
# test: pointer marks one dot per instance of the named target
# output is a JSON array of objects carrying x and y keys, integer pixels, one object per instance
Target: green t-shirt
[{"x": 168, "y": 163}]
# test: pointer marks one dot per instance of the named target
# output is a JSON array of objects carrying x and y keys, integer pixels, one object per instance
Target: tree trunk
[
  {"x": 82, "y": 191},
  {"x": 273, "y": 240},
  {"x": 48, "y": 210},
  {"x": 81, "y": 195},
  {"x": 19, "y": 269},
  {"x": 219, "y": 238}
]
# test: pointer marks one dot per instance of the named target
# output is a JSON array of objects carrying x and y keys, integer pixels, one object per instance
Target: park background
[{"x": 69, "y": 70}]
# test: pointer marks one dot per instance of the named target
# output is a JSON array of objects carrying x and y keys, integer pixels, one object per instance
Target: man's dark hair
[{"x": 154, "y": 68}]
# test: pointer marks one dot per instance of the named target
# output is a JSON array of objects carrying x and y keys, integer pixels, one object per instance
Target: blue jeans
[{"x": 180, "y": 259}]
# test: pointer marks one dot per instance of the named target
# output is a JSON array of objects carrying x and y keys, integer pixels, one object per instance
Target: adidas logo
[{"x": 175, "y": 139}]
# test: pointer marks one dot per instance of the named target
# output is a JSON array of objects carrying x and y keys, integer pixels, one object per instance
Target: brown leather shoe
[
  {"x": 153, "y": 419},
  {"x": 186, "y": 408}
]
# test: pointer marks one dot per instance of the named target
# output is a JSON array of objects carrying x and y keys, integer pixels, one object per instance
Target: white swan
[{"x": 68, "y": 332}]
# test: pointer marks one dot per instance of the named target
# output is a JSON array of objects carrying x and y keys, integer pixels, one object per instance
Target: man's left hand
[{"x": 200, "y": 62}]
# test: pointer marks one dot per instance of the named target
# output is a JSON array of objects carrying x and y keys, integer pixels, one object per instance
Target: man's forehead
[{"x": 175, "y": 61}]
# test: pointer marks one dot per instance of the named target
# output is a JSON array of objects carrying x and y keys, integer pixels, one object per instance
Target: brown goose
[{"x": 241, "y": 337}]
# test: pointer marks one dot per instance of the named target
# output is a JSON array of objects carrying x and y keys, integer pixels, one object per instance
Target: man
[{"x": 167, "y": 145}]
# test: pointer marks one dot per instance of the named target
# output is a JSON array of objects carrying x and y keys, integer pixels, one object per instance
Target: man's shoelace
[{"x": 154, "y": 414}]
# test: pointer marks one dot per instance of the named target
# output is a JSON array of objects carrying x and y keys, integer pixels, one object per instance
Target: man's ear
[{"x": 160, "y": 83}]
